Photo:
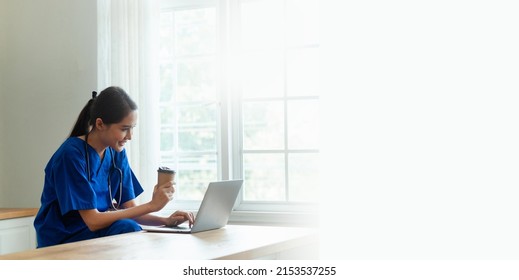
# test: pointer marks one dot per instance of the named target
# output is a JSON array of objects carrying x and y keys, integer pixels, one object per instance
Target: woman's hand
[
  {"x": 180, "y": 217},
  {"x": 162, "y": 195}
]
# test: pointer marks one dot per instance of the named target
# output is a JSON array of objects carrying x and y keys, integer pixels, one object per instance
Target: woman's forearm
[
  {"x": 150, "y": 220},
  {"x": 146, "y": 219},
  {"x": 96, "y": 220}
]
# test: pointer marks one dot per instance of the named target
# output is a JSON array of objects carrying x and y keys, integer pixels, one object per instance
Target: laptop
[{"x": 214, "y": 211}]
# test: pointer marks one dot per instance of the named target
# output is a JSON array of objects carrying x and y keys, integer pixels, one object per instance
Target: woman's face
[{"x": 116, "y": 135}]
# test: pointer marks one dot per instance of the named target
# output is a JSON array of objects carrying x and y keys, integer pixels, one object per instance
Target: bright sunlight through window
[{"x": 239, "y": 98}]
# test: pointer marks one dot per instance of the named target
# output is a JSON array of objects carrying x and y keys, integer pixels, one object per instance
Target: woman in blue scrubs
[{"x": 90, "y": 189}]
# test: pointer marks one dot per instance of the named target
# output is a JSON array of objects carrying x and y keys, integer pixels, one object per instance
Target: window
[
  {"x": 232, "y": 88},
  {"x": 239, "y": 98},
  {"x": 190, "y": 98}
]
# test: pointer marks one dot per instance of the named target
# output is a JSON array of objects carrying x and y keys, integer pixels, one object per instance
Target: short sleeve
[{"x": 73, "y": 189}]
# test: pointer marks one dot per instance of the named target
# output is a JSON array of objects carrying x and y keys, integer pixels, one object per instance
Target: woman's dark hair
[{"x": 112, "y": 105}]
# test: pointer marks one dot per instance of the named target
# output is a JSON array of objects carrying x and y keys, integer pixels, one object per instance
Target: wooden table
[
  {"x": 231, "y": 242},
  {"x": 11, "y": 213}
]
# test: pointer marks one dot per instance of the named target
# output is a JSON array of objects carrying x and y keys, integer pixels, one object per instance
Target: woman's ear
[{"x": 99, "y": 125}]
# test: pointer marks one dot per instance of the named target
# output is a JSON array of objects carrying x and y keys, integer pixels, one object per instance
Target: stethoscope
[{"x": 114, "y": 167}]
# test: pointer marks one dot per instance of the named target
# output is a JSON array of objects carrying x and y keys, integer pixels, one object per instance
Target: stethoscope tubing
[{"x": 114, "y": 166}]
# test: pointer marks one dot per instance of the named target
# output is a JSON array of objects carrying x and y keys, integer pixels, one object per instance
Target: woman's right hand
[{"x": 162, "y": 195}]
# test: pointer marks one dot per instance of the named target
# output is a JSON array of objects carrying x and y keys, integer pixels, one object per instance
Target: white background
[{"x": 421, "y": 153}]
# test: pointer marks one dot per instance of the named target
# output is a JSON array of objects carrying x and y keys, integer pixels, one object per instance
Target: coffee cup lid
[{"x": 164, "y": 169}]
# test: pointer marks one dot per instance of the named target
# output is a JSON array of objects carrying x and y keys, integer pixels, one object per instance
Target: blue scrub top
[{"x": 67, "y": 189}]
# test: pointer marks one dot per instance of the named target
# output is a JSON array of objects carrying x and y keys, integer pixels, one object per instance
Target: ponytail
[
  {"x": 112, "y": 105},
  {"x": 82, "y": 125}
]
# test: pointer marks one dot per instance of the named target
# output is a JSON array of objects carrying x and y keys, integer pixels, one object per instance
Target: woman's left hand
[{"x": 180, "y": 217}]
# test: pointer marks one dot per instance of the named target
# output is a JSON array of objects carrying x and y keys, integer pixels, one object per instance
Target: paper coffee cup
[{"x": 164, "y": 175}]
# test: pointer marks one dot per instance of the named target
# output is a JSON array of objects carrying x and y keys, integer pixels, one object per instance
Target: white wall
[{"x": 48, "y": 70}]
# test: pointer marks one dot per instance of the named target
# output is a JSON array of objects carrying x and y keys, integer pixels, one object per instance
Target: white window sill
[{"x": 274, "y": 218}]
